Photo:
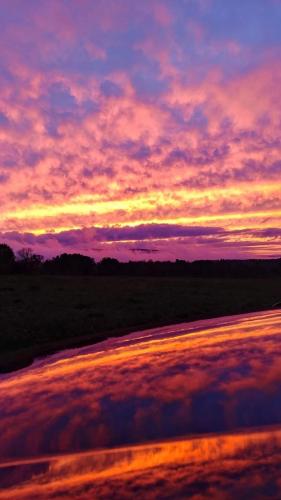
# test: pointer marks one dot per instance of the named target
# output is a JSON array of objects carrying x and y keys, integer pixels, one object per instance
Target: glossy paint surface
[{"x": 193, "y": 410}]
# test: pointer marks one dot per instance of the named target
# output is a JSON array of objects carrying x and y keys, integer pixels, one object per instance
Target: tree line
[{"x": 28, "y": 262}]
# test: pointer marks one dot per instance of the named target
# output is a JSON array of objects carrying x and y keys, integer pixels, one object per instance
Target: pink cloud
[{"x": 134, "y": 131}]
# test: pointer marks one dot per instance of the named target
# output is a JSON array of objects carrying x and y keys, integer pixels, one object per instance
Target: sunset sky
[{"x": 141, "y": 129}]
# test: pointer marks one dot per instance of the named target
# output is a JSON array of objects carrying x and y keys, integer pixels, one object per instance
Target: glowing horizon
[{"x": 151, "y": 123}]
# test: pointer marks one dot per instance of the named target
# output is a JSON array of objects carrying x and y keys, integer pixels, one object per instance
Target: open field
[{"x": 42, "y": 314}]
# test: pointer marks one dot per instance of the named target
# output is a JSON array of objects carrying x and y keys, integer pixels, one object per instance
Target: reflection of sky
[
  {"x": 122, "y": 113},
  {"x": 217, "y": 381},
  {"x": 229, "y": 466},
  {"x": 217, "y": 377}
]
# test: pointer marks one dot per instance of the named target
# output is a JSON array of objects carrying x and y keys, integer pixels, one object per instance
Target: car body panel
[{"x": 189, "y": 410}]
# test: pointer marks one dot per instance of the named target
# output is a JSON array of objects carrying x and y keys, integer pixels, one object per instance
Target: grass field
[{"x": 42, "y": 314}]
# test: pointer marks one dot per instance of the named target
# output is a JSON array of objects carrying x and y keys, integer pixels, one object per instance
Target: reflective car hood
[{"x": 191, "y": 410}]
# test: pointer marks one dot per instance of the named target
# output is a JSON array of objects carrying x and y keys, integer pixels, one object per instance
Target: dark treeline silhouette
[
  {"x": 70, "y": 264},
  {"x": 7, "y": 259},
  {"x": 27, "y": 262}
]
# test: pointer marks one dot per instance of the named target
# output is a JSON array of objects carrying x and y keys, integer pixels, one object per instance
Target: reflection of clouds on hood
[
  {"x": 212, "y": 465},
  {"x": 172, "y": 383},
  {"x": 135, "y": 113},
  {"x": 217, "y": 381}
]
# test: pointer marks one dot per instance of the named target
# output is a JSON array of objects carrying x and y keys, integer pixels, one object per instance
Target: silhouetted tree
[
  {"x": 7, "y": 259},
  {"x": 70, "y": 264},
  {"x": 29, "y": 262}
]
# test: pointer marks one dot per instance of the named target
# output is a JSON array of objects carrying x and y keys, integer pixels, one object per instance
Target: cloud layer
[{"x": 123, "y": 114}]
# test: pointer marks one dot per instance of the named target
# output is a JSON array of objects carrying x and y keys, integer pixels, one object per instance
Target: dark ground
[{"x": 42, "y": 314}]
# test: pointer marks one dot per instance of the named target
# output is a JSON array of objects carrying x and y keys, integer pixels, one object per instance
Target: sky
[{"x": 141, "y": 129}]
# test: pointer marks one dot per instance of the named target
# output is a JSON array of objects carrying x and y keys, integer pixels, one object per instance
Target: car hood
[{"x": 192, "y": 409}]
